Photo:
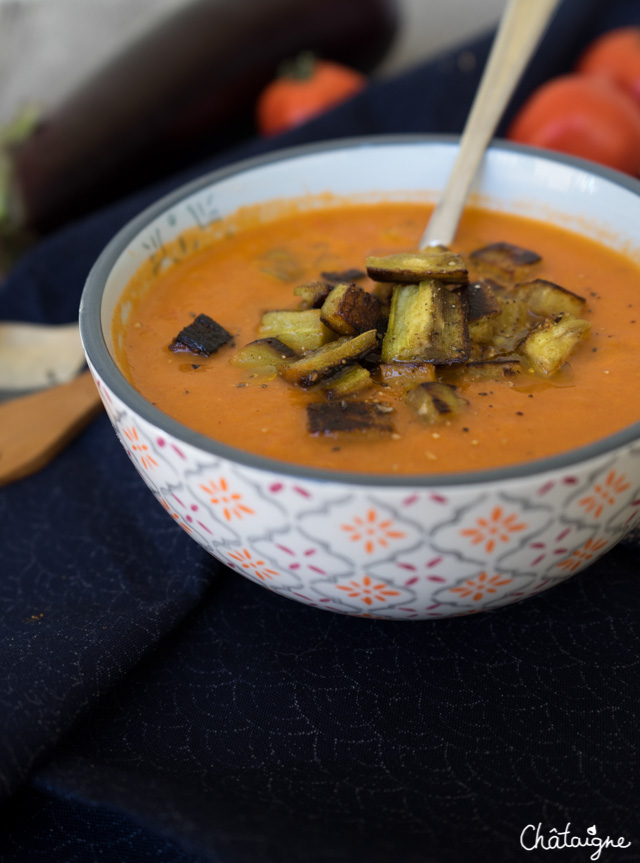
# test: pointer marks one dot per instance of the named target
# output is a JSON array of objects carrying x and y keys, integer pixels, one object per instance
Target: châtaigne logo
[{"x": 534, "y": 837}]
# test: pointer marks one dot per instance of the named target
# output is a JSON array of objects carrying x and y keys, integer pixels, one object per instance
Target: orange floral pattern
[
  {"x": 229, "y": 502},
  {"x": 481, "y": 586},
  {"x": 175, "y": 515},
  {"x": 604, "y": 494},
  {"x": 256, "y": 566},
  {"x": 372, "y": 531},
  {"x": 581, "y": 556},
  {"x": 139, "y": 448},
  {"x": 499, "y": 527},
  {"x": 367, "y": 589}
]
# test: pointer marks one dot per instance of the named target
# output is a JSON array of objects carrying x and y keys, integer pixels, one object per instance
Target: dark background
[{"x": 154, "y": 706}]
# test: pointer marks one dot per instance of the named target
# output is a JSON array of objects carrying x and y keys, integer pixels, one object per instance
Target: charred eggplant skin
[
  {"x": 202, "y": 336},
  {"x": 330, "y": 418},
  {"x": 549, "y": 345},
  {"x": 427, "y": 323},
  {"x": 505, "y": 260},
  {"x": 326, "y": 360},
  {"x": 300, "y": 329},
  {"x": 545, "y": 298},
  {"x": 435, "y": 401},
  {"x": 269, "y": 351},
  {"x": 349, "y": 310},
  {"x": 436, "y": 262},
  {"x": 348, "y": 381}
]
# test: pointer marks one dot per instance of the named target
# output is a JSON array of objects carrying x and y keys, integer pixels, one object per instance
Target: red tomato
[
  {"x": 615, "y": 55},
  {"x": 585, "y": 116},
  {"x": 305, "y": 87}
]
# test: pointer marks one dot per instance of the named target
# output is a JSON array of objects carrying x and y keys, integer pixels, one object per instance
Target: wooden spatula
[{"x": 34, "y": 428}]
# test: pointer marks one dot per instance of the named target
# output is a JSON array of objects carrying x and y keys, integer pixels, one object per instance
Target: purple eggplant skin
[{"x": 184, "y": 90}]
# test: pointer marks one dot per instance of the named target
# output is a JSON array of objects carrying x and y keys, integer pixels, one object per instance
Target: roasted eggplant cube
[
  {"x": 300, "y": 329},
  {"x": 511, "y": 325},
  {"x": 202, "y": 336},
  {"x": 404, "y": 376},
  {"x": 347, "y": 382},
  {"x": 313, "y": 294},
  {"x": 383, "y": 292},
  {"x": 326, "y": 360},
  {"x": 435, "y": 401},
  {"x": 330, "y": 418},
  {"x": 436, "y": 262},
  {"x": 427, "y": 323},
  {"x": 492, "y": 370},
  {"x": 545, "y": 299},
  {"x": 349, "y": 310},
  {"x": 483, "y": 307},
  {"x": 263, "y": 353},
  {"x": 353, "y": 274},
  {"x": 505, "y": 260},
  {"x": 549, "y": 345},
  {"x": 482, "y": 300}
]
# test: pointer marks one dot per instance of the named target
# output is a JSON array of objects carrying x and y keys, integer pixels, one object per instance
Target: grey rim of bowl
[{"x": 99, "y": 356}]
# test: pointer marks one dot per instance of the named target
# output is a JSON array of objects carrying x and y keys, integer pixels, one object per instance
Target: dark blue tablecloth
[{"x": 156, "y": 706}]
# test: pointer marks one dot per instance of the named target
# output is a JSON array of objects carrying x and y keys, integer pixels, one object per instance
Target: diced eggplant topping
[
  {"x": 482, "y": 300},
  {"x": 351, "y": 275},
  {"x": 300, "y": 329},
  {"x": 546, "y": 299},
  {"x": 427, "y": 323},
  {"x": 344, "y": 416},
  {"x": 492, "y": 370},
  {"x": 435, "y": 401},
  {"x": 549, "y": 345},
  {"x": 349, "y": 310},
  {"x": 346, "y": 382},
  {"x": 313, "y": 294},
  {"x": 327, "y": 359},
  {"x": 436, "y": 262},
  {"x": 202, "y": 336},
  {"x": 511, "y": 325},
  {"x": 269, "y": 352},
  {"x": 404, "y": 376},
  {"x": 479, "y": 353},
  {"x": 505, "y": 259}
]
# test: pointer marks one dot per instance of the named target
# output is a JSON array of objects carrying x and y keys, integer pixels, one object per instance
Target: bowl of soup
[{"x": 363, "y": 426}]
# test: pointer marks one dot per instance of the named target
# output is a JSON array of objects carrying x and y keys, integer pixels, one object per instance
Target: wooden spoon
[
  {"x": 521, "y": 27},
  {"x": 34, "y": 428}
]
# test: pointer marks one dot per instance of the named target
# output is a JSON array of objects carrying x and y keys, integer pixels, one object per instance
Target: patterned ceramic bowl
[{"x": 394, "y": 548}]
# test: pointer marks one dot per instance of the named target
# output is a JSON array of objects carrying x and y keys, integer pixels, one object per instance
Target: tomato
[
  {"x": 304, "y": 88},
  {"x": 615, "y": 55},
  {"x": 585, "y": 116}
]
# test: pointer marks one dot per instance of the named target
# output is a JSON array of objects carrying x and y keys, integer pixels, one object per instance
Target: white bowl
[{"x": 289, "y": 533}]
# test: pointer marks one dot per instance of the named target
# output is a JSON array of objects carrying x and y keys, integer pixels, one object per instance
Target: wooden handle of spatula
[{"x": 35, "y": 428}]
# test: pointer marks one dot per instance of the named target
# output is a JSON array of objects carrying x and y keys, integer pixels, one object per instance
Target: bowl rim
[{"x": 100, "y": 359}]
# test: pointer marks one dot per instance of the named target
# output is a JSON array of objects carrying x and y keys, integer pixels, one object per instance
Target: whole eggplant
[{"x": 185, "y": 89}]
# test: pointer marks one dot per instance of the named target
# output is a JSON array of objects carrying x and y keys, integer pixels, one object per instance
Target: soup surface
[{"x": 255, "y": 266}]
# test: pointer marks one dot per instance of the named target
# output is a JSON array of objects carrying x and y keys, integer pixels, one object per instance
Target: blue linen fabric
[{"x": 156, "y": 706}]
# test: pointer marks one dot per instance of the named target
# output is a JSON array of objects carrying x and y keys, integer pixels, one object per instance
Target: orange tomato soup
[{"x": 254, "y": 268}]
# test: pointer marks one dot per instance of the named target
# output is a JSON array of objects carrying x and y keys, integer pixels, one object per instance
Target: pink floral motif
[{"x": 305, "y": 560}]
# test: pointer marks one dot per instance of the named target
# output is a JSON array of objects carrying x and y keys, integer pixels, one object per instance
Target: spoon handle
[
  {"x": 521, "y": 27},
  {"x": 34, "y": 428}
]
